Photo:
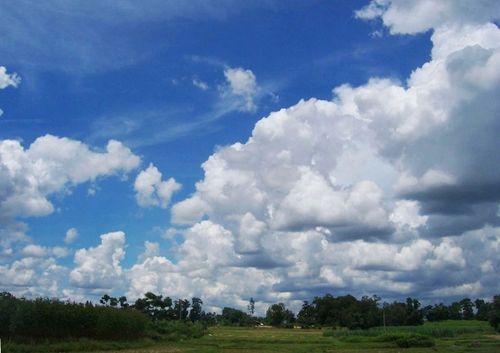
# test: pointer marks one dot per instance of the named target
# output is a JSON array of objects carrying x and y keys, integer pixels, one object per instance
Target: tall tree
[
  {"x": 196, "y": 312},
  {"x": 251, "y": 307},
  {"x": 277, "y": 315},
  {"x": 307, "y": 315},
  {"x": 467, "y": 309},
  {"x": 181, "y": 309},
  {"x": 235, "y": 317},
  {"x": 495, "y": 313},
  {"x": 414, "y": 315},
  {"x": 483, "y": 309},
  {"x": 105, "y": 300},
  {"x": 123, "y": 302},
  {"x": 155, "y": 306}
]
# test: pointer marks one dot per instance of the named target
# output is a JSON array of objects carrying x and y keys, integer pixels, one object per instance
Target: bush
[
  {"x": 415, "y": 340},
  {"x": 406, "y": 340},
  {"x": 177, "y": 330},
  {"x": 46, "y": 319},
  {"x": 120, "y": 324}
]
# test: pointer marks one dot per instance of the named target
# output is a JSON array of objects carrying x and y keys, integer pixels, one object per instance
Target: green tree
[
  {"x": 483, "y": 309},
  {"x": 495, "y": 313},
  {"x": 467, "y": 309},
  {"x": 105, "y": 299},
  {"x": 414, "y": 315},
  {"x": 235, "y": 317},
  {"x": 196, "y": 312},
  {"x": 251, "y": 307},
  {"x": 307, "y": 315},
  {"x": 395, "y": 313},
  {"x": 455, "y": 310},
  {"x": 181, "y": 309},
  {"x": 155, "y": 306},
  {"x": 438, "y": 312},
  {"x": 123, "y": 302},
  {"x": 278, "y": 315}
]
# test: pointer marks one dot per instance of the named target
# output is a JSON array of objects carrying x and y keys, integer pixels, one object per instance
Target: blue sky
[
  {"x": 156, "y": 79},
  {"x": 295, "y": 51}
]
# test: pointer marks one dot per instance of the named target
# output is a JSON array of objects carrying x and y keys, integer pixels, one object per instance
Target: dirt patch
[{"x": 494, "y": 337}]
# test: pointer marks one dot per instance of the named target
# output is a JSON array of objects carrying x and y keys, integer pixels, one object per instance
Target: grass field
[{"x": 470, "y": 336}]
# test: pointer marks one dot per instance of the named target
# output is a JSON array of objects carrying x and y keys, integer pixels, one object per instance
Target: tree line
[
  {"x": 161, "y": 317},
  {"x": 367, "y": 312},
  {"x": 328, "y": 310}
]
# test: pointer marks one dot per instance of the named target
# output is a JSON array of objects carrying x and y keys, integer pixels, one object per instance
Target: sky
[{"x": 270, "y": 149}]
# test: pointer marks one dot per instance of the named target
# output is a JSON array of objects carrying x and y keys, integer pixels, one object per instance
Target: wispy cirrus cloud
[
  {"x": 96, "y": 36},
  {"x": 235, "y": 92}
]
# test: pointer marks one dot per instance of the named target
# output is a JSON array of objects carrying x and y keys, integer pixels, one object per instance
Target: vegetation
[
  {"x": 414, "y": 340},
  {"x": 225, "y": 339},
  {"x": 347, "y": 311},
  {"x": 235, "y": 317},
  {"x": 343, "y": 311},
  {"x": 444, "y": 329},
  {"x": 43, "y": 319},
  {"x": 177, "y": 330},
  {"x": 494, "y": 315},
  {"x": 279, "y": 316},
  {"x": 112, "y": 324},
  {"x": 154, "y": 320}
]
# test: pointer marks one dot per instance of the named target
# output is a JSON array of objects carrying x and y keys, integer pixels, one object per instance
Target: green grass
[
  {"x": 75, "y": 346},
  {"x": 441, "y": 329},
  {"x": 469, "y": 336}
]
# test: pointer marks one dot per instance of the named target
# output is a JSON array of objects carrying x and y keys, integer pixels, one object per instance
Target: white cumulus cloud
[
  {"x": 243, "y": 84},
  {"x": 71, "y": 235},
  {"x": 50, "y": 166},
  {"x": 388, "y": 188},
  {"x": 99, "y": 267},
  {"x": 151, "y": 190}
]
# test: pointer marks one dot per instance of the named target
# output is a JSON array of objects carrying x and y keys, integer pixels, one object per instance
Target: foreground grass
[
  {"x": 477, "y": 337},
  {"x": 76, "y": 346}
]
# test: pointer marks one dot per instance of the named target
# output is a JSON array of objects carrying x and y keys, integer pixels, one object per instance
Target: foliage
[
  {"x": 465, "y": 309},
  {"x": 495, "y": 313},
  {"x": 235, "y": 317},
  {"x": 196, "y": 312},
  {"x": 177, "y": 330},
  {"x": 408, "y": 313},
  {"x": 344, "y": 311},
  {"x": 438, "y": 312},
  {"x": 278, "y": 315},
  {"x": 251, "y": 307},
  {"x": 307, "y": 315},
  {"x": 407, "y": 340},
  {"x": 414, "y": 340},
  {"x": 53, "y": 319},
  {"x": 50, "y": 323},
  {"x": 155, "y": 306},
  {"x": 277, "y": 340},
  {"x": 483, "y": 309},
  {"x": 450, "y": 328}
]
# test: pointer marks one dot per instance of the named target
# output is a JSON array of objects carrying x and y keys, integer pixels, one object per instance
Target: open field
[{"x": 459, "y": 337}]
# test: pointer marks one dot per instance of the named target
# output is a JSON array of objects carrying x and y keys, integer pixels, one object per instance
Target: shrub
[
  {"x": 406, "y": 340},
  {"x": 177, "y": 330},
  {"x": 120, "y": 324},
  {"x": 415, "y": 340},
  {"x": 42, "y": 319}
]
